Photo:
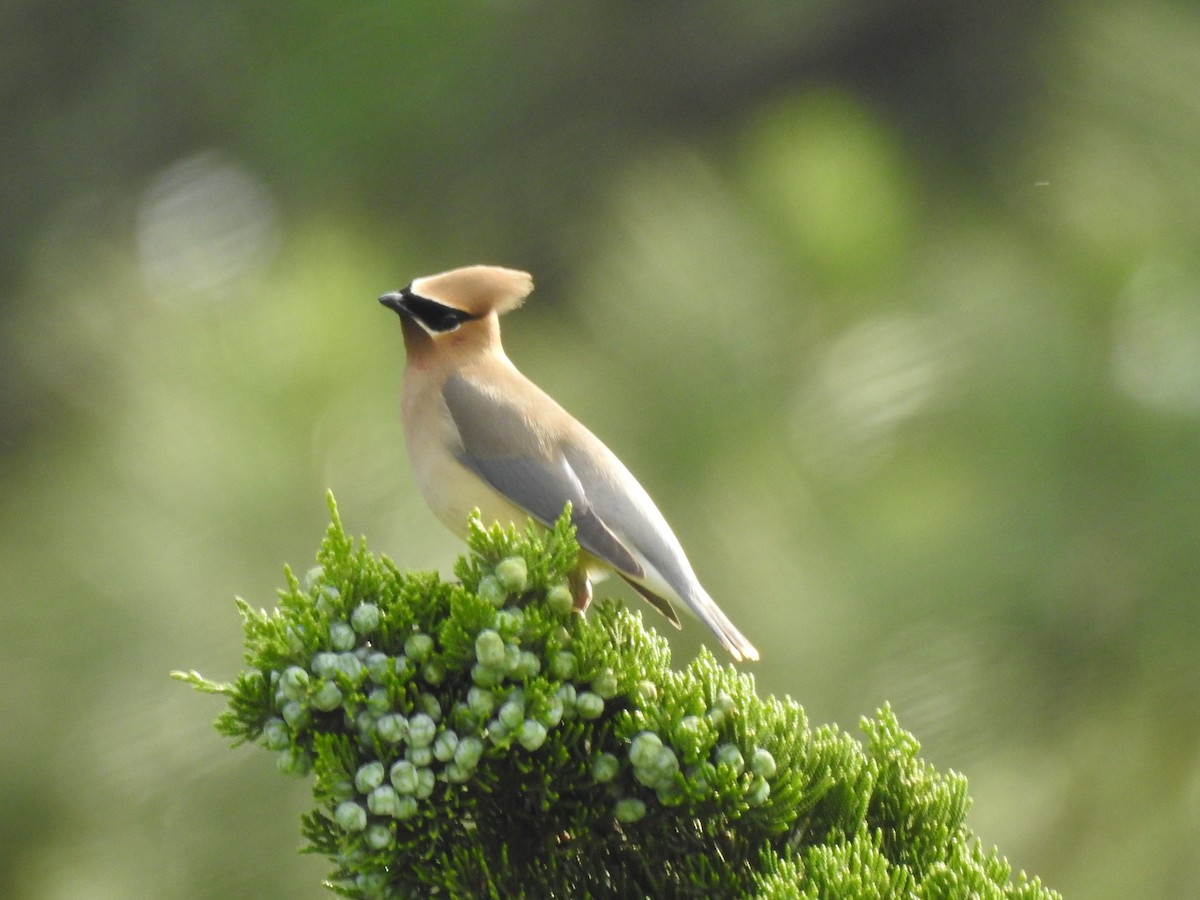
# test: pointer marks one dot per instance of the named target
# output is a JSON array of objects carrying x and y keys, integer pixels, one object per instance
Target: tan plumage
[{"x": 480, "y": 434}]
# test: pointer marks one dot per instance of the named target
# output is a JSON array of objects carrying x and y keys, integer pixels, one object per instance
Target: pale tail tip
[
  {"x": 741, "y": 649},
  {"x": 732, "y": 639}
]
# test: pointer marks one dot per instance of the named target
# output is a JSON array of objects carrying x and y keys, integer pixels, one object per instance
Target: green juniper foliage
[{"x": 480, "y": 739}]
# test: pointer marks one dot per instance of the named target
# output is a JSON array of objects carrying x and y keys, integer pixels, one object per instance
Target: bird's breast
[{"x": 450, "y": 489}]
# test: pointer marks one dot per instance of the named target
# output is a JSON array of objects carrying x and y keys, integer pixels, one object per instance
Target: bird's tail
[
  {"x": 706, "y": 610},
  {"x": 731, "y": 639}
]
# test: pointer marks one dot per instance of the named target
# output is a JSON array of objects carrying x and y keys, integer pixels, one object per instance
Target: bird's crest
[{"x": 476, "y": 290}]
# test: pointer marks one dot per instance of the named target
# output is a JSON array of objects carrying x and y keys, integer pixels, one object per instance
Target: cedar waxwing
[{"x": 480, "y": 434}]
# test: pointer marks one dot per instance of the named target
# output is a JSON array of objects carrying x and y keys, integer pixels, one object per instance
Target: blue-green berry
[
  {"x": 434, "y": 672},
  {"x": 730, "y": 755},
  {"x": 481, "y": 701},
  {"x": 425, "y": 783},
  {"x": 512, "y": 657},
  {"x": 324, "y": 664},
  {"x": 723, "y": 707},
  {"x": 567, "y": 696},
  {"x": 589, "y": 705},
  {"x": 660, "y": 771},
  {"x": 605, "y": 767},
  {"x": 379, "y": 836},
  {"x": 489, "y": 649},
  {"x": 528, "y": 665},
  {"x": 647, "y": 692},
  {"x": 343, "y": 789},
  {"x": 276, "y": 735},
  {"x": 762, "y": 763},
  {"x": 551, "y": 713},
  {"x": 510, "y": 621},
  {"x": 371, "y": 884},
  {"x": 560, "y": 600},
  {"x": 379, "y": 666},
  {"x": 532, "y": 734},
  {"x": 379, "y": 701},
  {"x": 392, "y": 728},
  {"x": 670, "y": 793},
  {"x": 605, "y": 684},
  {"x": 562, "y": 665},
  {"x": 403, "y": 776},
  {"x": 295, "y": 714},
  {"x": 294, "y": 683},
  {"x": 350, "y": 816},
  {"x": 368, "y": 777},
  {"x": 342, "y": 636},
  {"x": 513, "y": 574},
  {"x": 491, "y": 590},
  {"x": 689, "y": 732},
  {"x": 383, "y": 800},
  {"x": 460, "y": 716},
  {"x": 313, "y": 577},
  {"x": 512, "y": 713},
  {"x": 444, "y": 746},
  {"x": 644, "y": 749},
  {"x": 668, "y": 768},
  {"x": 295, "y": 639},
  {"x": 406, "y": 807},
  {"x": 421, "y": 730},
  {"x": 758, "y": 792},
  {"x": 365, "y": 618},
  {"x": 468, "y": 752},
  {"x": 486, "y": 676},
  {"x": 294, "y": 762},
  {"x": 418, "y": 647},
  {"x": 456, "y": 774},
  {"x": 364, "y": 722},
  {"x": 431, "y": 706},
  {"x": 629, "y": 810},
  {"x": 327, "y": 697},
  {"x": 419, "y": 756},
  {"x": 351, "y": 666}
]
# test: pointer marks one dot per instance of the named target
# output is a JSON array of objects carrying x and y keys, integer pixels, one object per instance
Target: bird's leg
[{"x": 581, "y": 587}]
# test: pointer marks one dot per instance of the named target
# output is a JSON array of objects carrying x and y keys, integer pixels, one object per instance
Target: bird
[{"x": 480, "y": 435}]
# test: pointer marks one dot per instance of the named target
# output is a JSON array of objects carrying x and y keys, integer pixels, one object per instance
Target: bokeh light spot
[
  {"x": 203, "y": 225},
  {"x": 833, "y": 180},
  {"x": 1156, "y": 340},
  {"x": 867, "y": 383}
]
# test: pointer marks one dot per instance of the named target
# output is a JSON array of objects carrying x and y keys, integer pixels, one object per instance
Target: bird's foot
[{"x": 581, "y": 587}]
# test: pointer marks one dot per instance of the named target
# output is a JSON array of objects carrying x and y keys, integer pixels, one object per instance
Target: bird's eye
[
  {"x": 451, "y": 320},
  {"x": 433, "y": 315}
]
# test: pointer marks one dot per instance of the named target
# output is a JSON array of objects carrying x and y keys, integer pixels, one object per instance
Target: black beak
[{"x": 394, "y": 301}]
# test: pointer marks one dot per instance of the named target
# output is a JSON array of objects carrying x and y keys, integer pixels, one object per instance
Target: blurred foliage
[{"x": 893, "y": 307}]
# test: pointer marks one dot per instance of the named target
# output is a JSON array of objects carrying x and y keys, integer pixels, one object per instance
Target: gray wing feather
[
  {"x": 499, "y": 447},
  {"x": 642, "y": 525}
]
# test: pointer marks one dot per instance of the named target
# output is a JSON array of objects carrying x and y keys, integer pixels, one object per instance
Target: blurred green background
[{"x": 894, "y": 307}]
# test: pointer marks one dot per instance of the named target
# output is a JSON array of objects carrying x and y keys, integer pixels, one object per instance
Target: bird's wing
[
  {"x": 624, "y": 504},
  {"x": 500, "y": 447}
]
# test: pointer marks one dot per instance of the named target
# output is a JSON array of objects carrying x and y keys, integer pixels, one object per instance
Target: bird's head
[{"x": 470, "y": 299}]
